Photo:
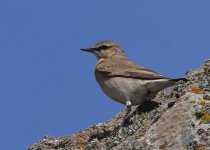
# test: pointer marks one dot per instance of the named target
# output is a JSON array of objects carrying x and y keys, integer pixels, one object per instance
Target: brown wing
[{"x": 126, "y": 68}]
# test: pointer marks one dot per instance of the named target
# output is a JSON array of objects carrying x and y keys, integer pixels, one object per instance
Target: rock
[{"x": 178, "y": 118}]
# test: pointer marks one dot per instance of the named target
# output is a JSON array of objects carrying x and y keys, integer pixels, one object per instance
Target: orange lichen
[
  {"x": 206, "y": 69},
  {"x": 192, "y": 101},
  {"x": 196, "y": 90},
  {"x": 81, "y": 146},
  {"x": 201, "y": 148},
  {"x": 205, "y": 117},
  {"x": 81, "y": 140},
  {"x": 202, "y": 102}
]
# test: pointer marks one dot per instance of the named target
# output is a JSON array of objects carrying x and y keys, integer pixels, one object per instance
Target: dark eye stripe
[{"x": 103, "y": 47}]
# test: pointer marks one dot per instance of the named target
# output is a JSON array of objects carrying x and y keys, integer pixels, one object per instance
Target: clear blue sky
[{"x": 47, "y": 85}]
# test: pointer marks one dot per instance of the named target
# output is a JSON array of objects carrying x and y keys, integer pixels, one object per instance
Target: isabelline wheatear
[{"x": 123, "y": 80}]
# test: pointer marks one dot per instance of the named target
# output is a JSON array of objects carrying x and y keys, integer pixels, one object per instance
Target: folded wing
[{"x": 126, "y": 68}]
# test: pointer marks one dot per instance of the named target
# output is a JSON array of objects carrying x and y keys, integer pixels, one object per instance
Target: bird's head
[{"x": 105, "y": 49}]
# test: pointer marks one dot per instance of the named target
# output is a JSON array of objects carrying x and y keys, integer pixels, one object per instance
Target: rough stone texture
[{"x": 177, "y": 119}]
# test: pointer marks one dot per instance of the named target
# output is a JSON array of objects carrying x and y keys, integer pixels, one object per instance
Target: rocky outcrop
[{"x": 177, "y": 119}]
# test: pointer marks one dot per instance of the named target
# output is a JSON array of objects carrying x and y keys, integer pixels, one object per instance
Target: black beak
[{"x": 87, "y": 49}]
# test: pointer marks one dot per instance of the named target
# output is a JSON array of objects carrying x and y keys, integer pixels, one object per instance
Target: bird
[{"x": 123, "y": 80}]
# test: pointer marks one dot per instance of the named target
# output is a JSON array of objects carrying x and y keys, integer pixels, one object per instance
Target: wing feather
[{"x": 126, "y": 68}]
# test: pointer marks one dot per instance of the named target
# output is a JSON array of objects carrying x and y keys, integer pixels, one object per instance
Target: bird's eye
[{"x": 103, "y": 47}]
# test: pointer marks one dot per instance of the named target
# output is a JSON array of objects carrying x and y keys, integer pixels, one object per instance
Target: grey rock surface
[{"x": 177, "y": 119}]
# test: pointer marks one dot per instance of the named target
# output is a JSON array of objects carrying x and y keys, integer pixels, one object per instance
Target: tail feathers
[{"x": 183, "y": 79}]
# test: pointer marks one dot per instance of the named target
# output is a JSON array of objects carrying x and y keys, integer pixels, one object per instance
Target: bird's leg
[{"x": 128, "y": 110}]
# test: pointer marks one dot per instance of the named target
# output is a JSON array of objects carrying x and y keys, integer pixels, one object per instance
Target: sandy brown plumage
[
  {"x": 123, "y": 80},
  {"x": 122, "y": 67}
]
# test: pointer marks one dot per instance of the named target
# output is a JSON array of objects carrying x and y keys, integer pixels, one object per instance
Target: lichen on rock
[{"x": 178, "y": 118}]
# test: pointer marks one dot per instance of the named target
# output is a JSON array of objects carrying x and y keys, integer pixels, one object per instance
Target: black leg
[{"x": 128, "y": 110}]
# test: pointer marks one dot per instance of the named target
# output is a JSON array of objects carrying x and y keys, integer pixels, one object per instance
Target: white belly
[
  {"x": 122, "y": 89},
  {"x": 134, "y": 90}
]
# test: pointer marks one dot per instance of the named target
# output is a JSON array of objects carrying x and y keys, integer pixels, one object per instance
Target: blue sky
[{"x": 47, "y": 84}]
